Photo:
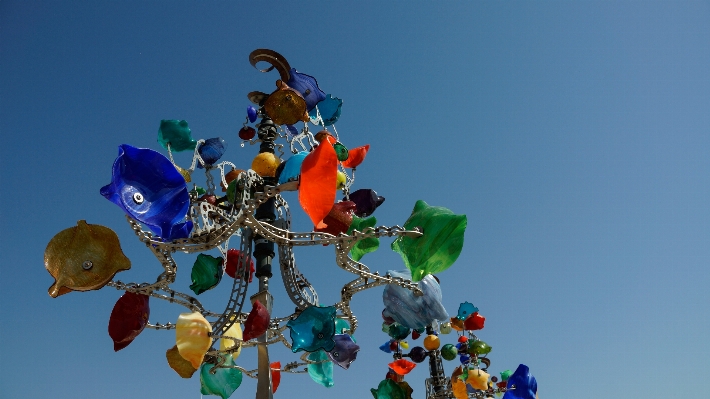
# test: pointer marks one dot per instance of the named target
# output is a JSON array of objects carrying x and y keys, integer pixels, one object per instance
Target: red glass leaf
[
  {"x": 319, "y": 174},
  {"x": 339, "y": 218},
  {"x": 402, "y": 366},
  {"x": 128, "y": 318},
  {"x": 233, "y": 256},
  {"x": 257, "y": 322},
  {"x": 474, "y": 322},
  {"x": 275, "y": 376},
  {"x": 356, "y": 156}
]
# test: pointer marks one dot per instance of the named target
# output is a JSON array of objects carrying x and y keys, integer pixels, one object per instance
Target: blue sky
[{"x": 574, "y": 136}]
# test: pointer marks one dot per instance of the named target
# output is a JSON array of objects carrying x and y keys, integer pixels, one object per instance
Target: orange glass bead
[{"x": 431, "y": 342}]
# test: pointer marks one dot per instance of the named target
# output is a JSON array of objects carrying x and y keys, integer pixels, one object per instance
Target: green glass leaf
[
  {"x": 478, "y": 347},
  {"x": 366, "y": 245},
  {"x": 177, "y": 134},
  {"x": 223, "y": 383},
  {"x": 206, "y": 273},
  {"x": 321, "y": 372},
  {"x": 439, "y": 246}
]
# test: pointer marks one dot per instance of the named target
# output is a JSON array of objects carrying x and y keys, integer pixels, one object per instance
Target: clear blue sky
[{"x": 574, "y": 135}]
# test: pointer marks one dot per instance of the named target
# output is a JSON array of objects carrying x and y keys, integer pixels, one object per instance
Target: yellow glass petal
[
  {"x": 192, "y": 337},
  {"x": 478, "y": 379},
  {"x": 225, "y": 343},
  {"x": 185, "y": 173},
  {"x": 179, "y": 364}
]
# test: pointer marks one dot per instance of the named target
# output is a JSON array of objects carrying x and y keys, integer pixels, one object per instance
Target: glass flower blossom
[
  {"x": 178, "y": 363},
  {"x": 410, "y": 310},
  {"x": 313, "y": 329},
  {"x": 365, "y": 245},
  {"x": 149, "y": 189},
  {"x": 329, "y": 109},
  {"x": 388, "y": 389},
  {"x": 206, "y": 273},
  {"x": 223, "y": 382},
  {"x": 345, "y": 350},
  {"x": 321, "y": 370},
  {"x": 307, "y": 85}
]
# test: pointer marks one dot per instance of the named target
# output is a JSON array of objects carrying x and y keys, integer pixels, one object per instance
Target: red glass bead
[
  {"x": 474, "y": 322},
  {"x": 247, "y": 133},
  {"x": 463, "y": 339}
]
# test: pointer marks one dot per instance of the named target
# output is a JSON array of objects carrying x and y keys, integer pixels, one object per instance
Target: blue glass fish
[
  {"x": 524, "y": 382},
  {"x": 149, "y": 189},
  {"x": 308, "y": 87},
  {"x": 410, "y": 310}
]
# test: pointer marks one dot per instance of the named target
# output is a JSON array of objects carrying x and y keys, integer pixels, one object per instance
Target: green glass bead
[
  {"x": 206, "y": 273},
  {"x": 365, "y": 245},
  {"x": 439, "y": 246},
  {"x": 222, "y": 383},
  {"x": 449, "y": 352},
  {"x": 340, "y": 151},
  {"x": 478, "y": 347},
  {"x": 198, "y": 191},
  {"x": 388, "y": 389},
  {"x": 177, "y": 133},
  {"x": 398, "y": 331},
  {"x": 322, "y": 371},
  {"x": 504, "y": 375}
]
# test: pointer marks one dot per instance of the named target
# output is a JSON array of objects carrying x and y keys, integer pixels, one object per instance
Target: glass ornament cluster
[{"x": 170, "y": 213}]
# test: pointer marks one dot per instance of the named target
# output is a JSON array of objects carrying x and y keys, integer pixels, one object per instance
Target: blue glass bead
[
  {"x": 251, "y": 114},
  {"x": 464, "y": 359},
  {"x": 410, "y": 310},
  {"x": 322, "y": 371},
  {"x": 149, "y": 189},
  {"x": 345, "y": 350},
  {"x": 466, "y": 309},
  {"x": 308, "y": 87},
  {"x": 418, "y": 354},
  {"x": 525, "y": 384},
  {"x": 292, "y": 167},
  {"x": 313, "y": 329},
  {"x": 329, "y": 109},
  {"x": 212, "y": 150}
]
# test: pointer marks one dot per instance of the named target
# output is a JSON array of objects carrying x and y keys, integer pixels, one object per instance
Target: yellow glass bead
[
  {"x": 340, "y": 181},
  {"x": 192, "y": 337},
  {"x": 225, "y": 343},
  {"x": 265, "y": 164},
  {"x": 404, "y": 344},
  {"x": 431, "y": 342}
]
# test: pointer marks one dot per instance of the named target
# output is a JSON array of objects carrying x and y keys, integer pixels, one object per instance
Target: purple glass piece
[
  {"x": 149, "y": 189},
  {"x": 251, "y": 113},
  {"x": 366, "y": 201},
  {"x": 308, "y": 87},
  {"x": 212, "y": 150},
  {"x": 345, "y": 350},
  {"x": 418, "y": 354}
]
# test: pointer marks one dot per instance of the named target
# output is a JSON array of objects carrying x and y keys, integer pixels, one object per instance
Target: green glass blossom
[
  {"x": 322, "y": 371},
  {"x": 177, "y": 134},
  {"x": 439, "y": 246},
  {"x": 388, "y": 389},
  {"x": 366, "y": 245},
  {"x": 313, "y": 329},
  {"x": 222, "y": 383},
  {"x": 206, "y": 273}
]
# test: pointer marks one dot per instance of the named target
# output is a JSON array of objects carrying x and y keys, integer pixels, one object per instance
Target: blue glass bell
[
  {"x": 524, "y": 382},
  {"x": 212, "y": 150}
]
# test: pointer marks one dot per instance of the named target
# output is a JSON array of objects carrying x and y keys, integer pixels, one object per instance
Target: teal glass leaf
[
  {"x": 206, "y": 273},
  {"x": 322, "y": 371},
  {"x": 439, "y": 246},
  {"x": 313, "y": 329},
  {"x": 223, "y": 383},
  {"x": 177, "y": 133},
  {"x": 365, "y": 245},
  {"x": 466, "y": 309}
]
